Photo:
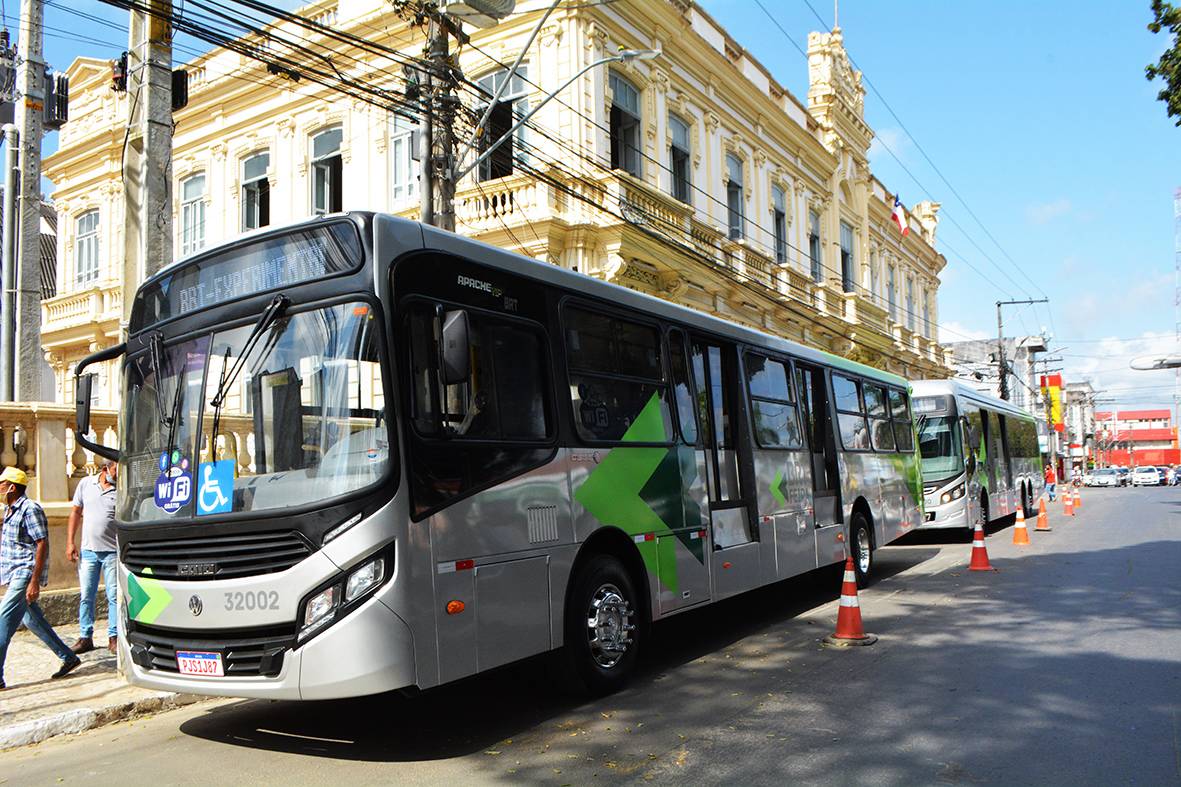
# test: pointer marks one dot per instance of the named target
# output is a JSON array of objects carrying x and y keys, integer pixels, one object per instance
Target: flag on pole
[{"x": 899, "y": 217}]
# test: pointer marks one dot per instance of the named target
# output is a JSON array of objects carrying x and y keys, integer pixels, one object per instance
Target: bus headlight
[
  {"x": 364, "y": 578},
  {"x": 319, "y": 610},
  {"x": 952, "y": 494},
  {"x": 342, "y": 593}
]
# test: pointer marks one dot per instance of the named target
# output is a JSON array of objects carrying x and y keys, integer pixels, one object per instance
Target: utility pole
[
  {"x": 8, "y": 278},
  {"x": 1052, "y": 437},
  {"x": 30, "y": 109},
  {"x": 147, "y": 168},
  {"x": 437, "y": 190},
  {"x": 1002, "y": 366}
]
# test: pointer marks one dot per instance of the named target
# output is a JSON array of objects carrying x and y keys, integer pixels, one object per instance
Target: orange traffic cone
[
  {"x": 979, "y": 553},
  {"x": 849, "y": 632},
  {"x": 1078, "y": 500},
  {"x": 1020, "y": 533},
  {"x": 1068, "y": 503},
  {"x": 1043, "y": 520}
]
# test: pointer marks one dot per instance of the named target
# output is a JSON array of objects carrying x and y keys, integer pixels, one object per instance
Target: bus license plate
[{"x": 190, "y": 662}]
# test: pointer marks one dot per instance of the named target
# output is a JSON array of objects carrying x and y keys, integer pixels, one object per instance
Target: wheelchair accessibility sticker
[
  {"x": 174, "y": 485},
  {"x": 215, "y": 487}
]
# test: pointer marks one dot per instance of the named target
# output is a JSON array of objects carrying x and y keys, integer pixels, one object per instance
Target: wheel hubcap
[
  {"x": 609, "y": 626},
  {"x": 863, "y": 552}
]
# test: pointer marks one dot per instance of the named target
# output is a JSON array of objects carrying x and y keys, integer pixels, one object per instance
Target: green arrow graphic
[
  {"x": 146, "y": 598},
  {"x": 612, "y": 492},
  {"x": 777, "y": 489}
]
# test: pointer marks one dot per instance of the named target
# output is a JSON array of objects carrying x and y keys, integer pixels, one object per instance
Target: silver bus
[
  {"x": 361, "y": 454},
  {"x": 980, "y": 455}
]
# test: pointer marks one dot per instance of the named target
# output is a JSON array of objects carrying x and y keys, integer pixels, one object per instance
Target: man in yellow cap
[{"x": 24, "y": 567}]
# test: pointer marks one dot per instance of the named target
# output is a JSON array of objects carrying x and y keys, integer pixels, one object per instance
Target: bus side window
[
  {"x": 880, "y": 429},
  {"x": 617, "y": 385},
  {"x": 682, "y": 387},
  {"x": 903, "y": 423},
  {"x": 850, "y": 413},
  {"x": 772, "y": 404}
]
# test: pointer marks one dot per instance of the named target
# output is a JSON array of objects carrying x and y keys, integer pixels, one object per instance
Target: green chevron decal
[
  {"x": 644, "y": 490},
  {"x": 777, "y": 488},
  {"x": 146, "y": 598}
]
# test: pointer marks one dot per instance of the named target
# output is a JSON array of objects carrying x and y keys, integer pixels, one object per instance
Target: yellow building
[{"x": 694, "y": 176}]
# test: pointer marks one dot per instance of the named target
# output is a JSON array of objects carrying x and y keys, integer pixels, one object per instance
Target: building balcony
[
  {"x": 39, "y": 439},
  {"x": 78, "y": 316},
  {"x": 510, "y": 202}
]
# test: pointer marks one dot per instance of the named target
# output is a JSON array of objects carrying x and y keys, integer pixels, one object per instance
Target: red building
[{"x": 1136, "y": 437}]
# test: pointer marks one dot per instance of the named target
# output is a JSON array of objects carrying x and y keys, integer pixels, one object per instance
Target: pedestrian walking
[
  {"x": 94, "y": 510},
  {"x": 1051, "y": 481},
  {"x": 24, "y": 567}
]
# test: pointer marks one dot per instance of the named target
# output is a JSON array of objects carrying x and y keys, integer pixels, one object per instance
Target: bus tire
[
  {"x": 861, "y": 548},
  {"x": 604, "y": 626}
]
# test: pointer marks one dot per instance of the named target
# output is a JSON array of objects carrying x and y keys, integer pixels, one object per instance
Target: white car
[
  {"x": 1146, "y": 476},
  {"x": 1103, "y": 476}
]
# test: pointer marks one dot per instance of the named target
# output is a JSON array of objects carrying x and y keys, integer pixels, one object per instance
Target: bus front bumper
[
  {"x": 366, "y": 652},
  {"x": 945, "y": 516}
]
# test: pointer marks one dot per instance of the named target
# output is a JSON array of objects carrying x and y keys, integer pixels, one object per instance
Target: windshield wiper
[
  {"x": 154, "y": 344},
  {"x": 922, "y": 422},
  {"x": 272, "y": 313}
]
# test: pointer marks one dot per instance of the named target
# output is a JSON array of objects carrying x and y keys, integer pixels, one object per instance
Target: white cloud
[
  {"x": 895, "y": 139},
  {"x": 1045, "y": 212},
  {"x": 951, "y": 331},
  {"x": 1106, "y": 364}
]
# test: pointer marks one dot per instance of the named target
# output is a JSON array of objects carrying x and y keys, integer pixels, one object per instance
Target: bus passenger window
[
  {"x": 772, "y": 403},
  {"x": 903, "y": 425},
  {"x": 686, "y": 408},
  {"x": 617, "y": 386},
  {"x": 881, "y": 431},
  {"x": 850, "y": 413}
]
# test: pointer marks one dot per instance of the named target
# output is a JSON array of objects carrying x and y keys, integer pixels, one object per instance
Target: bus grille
[
  {"x": 216, "y": 557},
  {"x": 258, "y": 654}
]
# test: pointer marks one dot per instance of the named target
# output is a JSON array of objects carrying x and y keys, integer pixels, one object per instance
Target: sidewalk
[{"x": 35, "y": 707}]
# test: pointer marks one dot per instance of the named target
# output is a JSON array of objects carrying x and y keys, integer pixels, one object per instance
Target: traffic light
[{"x": 119, "y": 74}]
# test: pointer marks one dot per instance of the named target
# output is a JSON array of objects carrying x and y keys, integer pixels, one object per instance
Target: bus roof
[
  {"x": 960, "y": 389},
  {"x": 510, "y": 262}
]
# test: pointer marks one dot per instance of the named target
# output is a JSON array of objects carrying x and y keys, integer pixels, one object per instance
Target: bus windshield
[
  {"x": 939, "y": 444},
  {"x": 301, "y": 417}
]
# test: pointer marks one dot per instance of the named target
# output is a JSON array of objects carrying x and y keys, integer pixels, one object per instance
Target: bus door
[
  {"x": 735, "y": 555},
  {"x": 816, "y": 412},
  {"x": 1004, "y": 468}
]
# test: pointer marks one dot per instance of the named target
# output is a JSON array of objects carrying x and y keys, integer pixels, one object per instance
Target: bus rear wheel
[
  {"x": 604, "y": 626},
  {"x": 861, "y": 547}
]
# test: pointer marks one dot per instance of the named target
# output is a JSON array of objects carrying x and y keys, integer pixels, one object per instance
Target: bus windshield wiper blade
[
  {"x": 154, "y": 344},
  {"x": 265, "y": 320}
]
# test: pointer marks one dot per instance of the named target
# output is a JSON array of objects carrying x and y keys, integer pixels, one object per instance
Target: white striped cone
[{"x": 979, "y": 560}]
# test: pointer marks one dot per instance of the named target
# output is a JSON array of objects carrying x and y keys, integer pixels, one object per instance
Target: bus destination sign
[{"x": 273, "y": 262}]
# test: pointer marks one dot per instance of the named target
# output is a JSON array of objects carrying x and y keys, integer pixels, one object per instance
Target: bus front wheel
[
  {"x": 861, "y": 547},
  {"x": 604, "y": 625}
]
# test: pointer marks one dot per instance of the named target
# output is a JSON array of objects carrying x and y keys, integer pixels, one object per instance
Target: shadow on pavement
[{"x": 473, "y": 714}]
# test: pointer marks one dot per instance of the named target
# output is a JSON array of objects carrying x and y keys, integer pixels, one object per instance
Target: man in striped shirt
[{"x": 24, "y": 567}]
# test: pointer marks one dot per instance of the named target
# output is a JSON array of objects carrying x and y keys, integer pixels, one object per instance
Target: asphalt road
[{"x": 1063, "y": 667}]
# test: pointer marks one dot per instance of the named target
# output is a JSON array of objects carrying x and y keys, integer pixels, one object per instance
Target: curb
[{"x": 82, "y": 719}]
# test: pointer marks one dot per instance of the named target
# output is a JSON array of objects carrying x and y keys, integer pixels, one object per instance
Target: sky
[{"x": 1032, "y": 124}]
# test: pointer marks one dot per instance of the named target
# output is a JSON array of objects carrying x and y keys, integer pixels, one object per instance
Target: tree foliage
[{"x": 1167, "y": 17}]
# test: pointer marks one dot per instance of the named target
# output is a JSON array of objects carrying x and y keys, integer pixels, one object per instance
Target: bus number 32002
[{"x": 251, "y": 600}]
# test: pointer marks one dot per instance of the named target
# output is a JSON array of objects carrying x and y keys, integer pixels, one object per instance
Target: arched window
[
  {"x": 256, "y": 191},
  {"x": 814, "y": 246},
  {"x": 848, "y": 264},
  {"x": 734, "y": 198},
  {"x": 327, "y": 193},
  {"x": 192, "y": 214},
  {"x": 86, "y": 249},
  {"x": 625, "y": 125},
  {"x": 512, "y": 105}
]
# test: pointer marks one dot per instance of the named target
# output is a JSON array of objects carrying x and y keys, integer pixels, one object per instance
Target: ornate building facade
[{"x": 694, "y": 176}]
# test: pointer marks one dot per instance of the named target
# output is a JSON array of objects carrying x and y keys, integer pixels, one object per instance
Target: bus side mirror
[
  {"x": 456, "y": 351},
  {"x": 83, "y": 386},
  {"x": 82, "y": 393}
]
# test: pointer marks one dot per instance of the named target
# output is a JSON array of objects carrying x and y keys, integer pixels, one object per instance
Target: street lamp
[{"x": 622, "y": 56}]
